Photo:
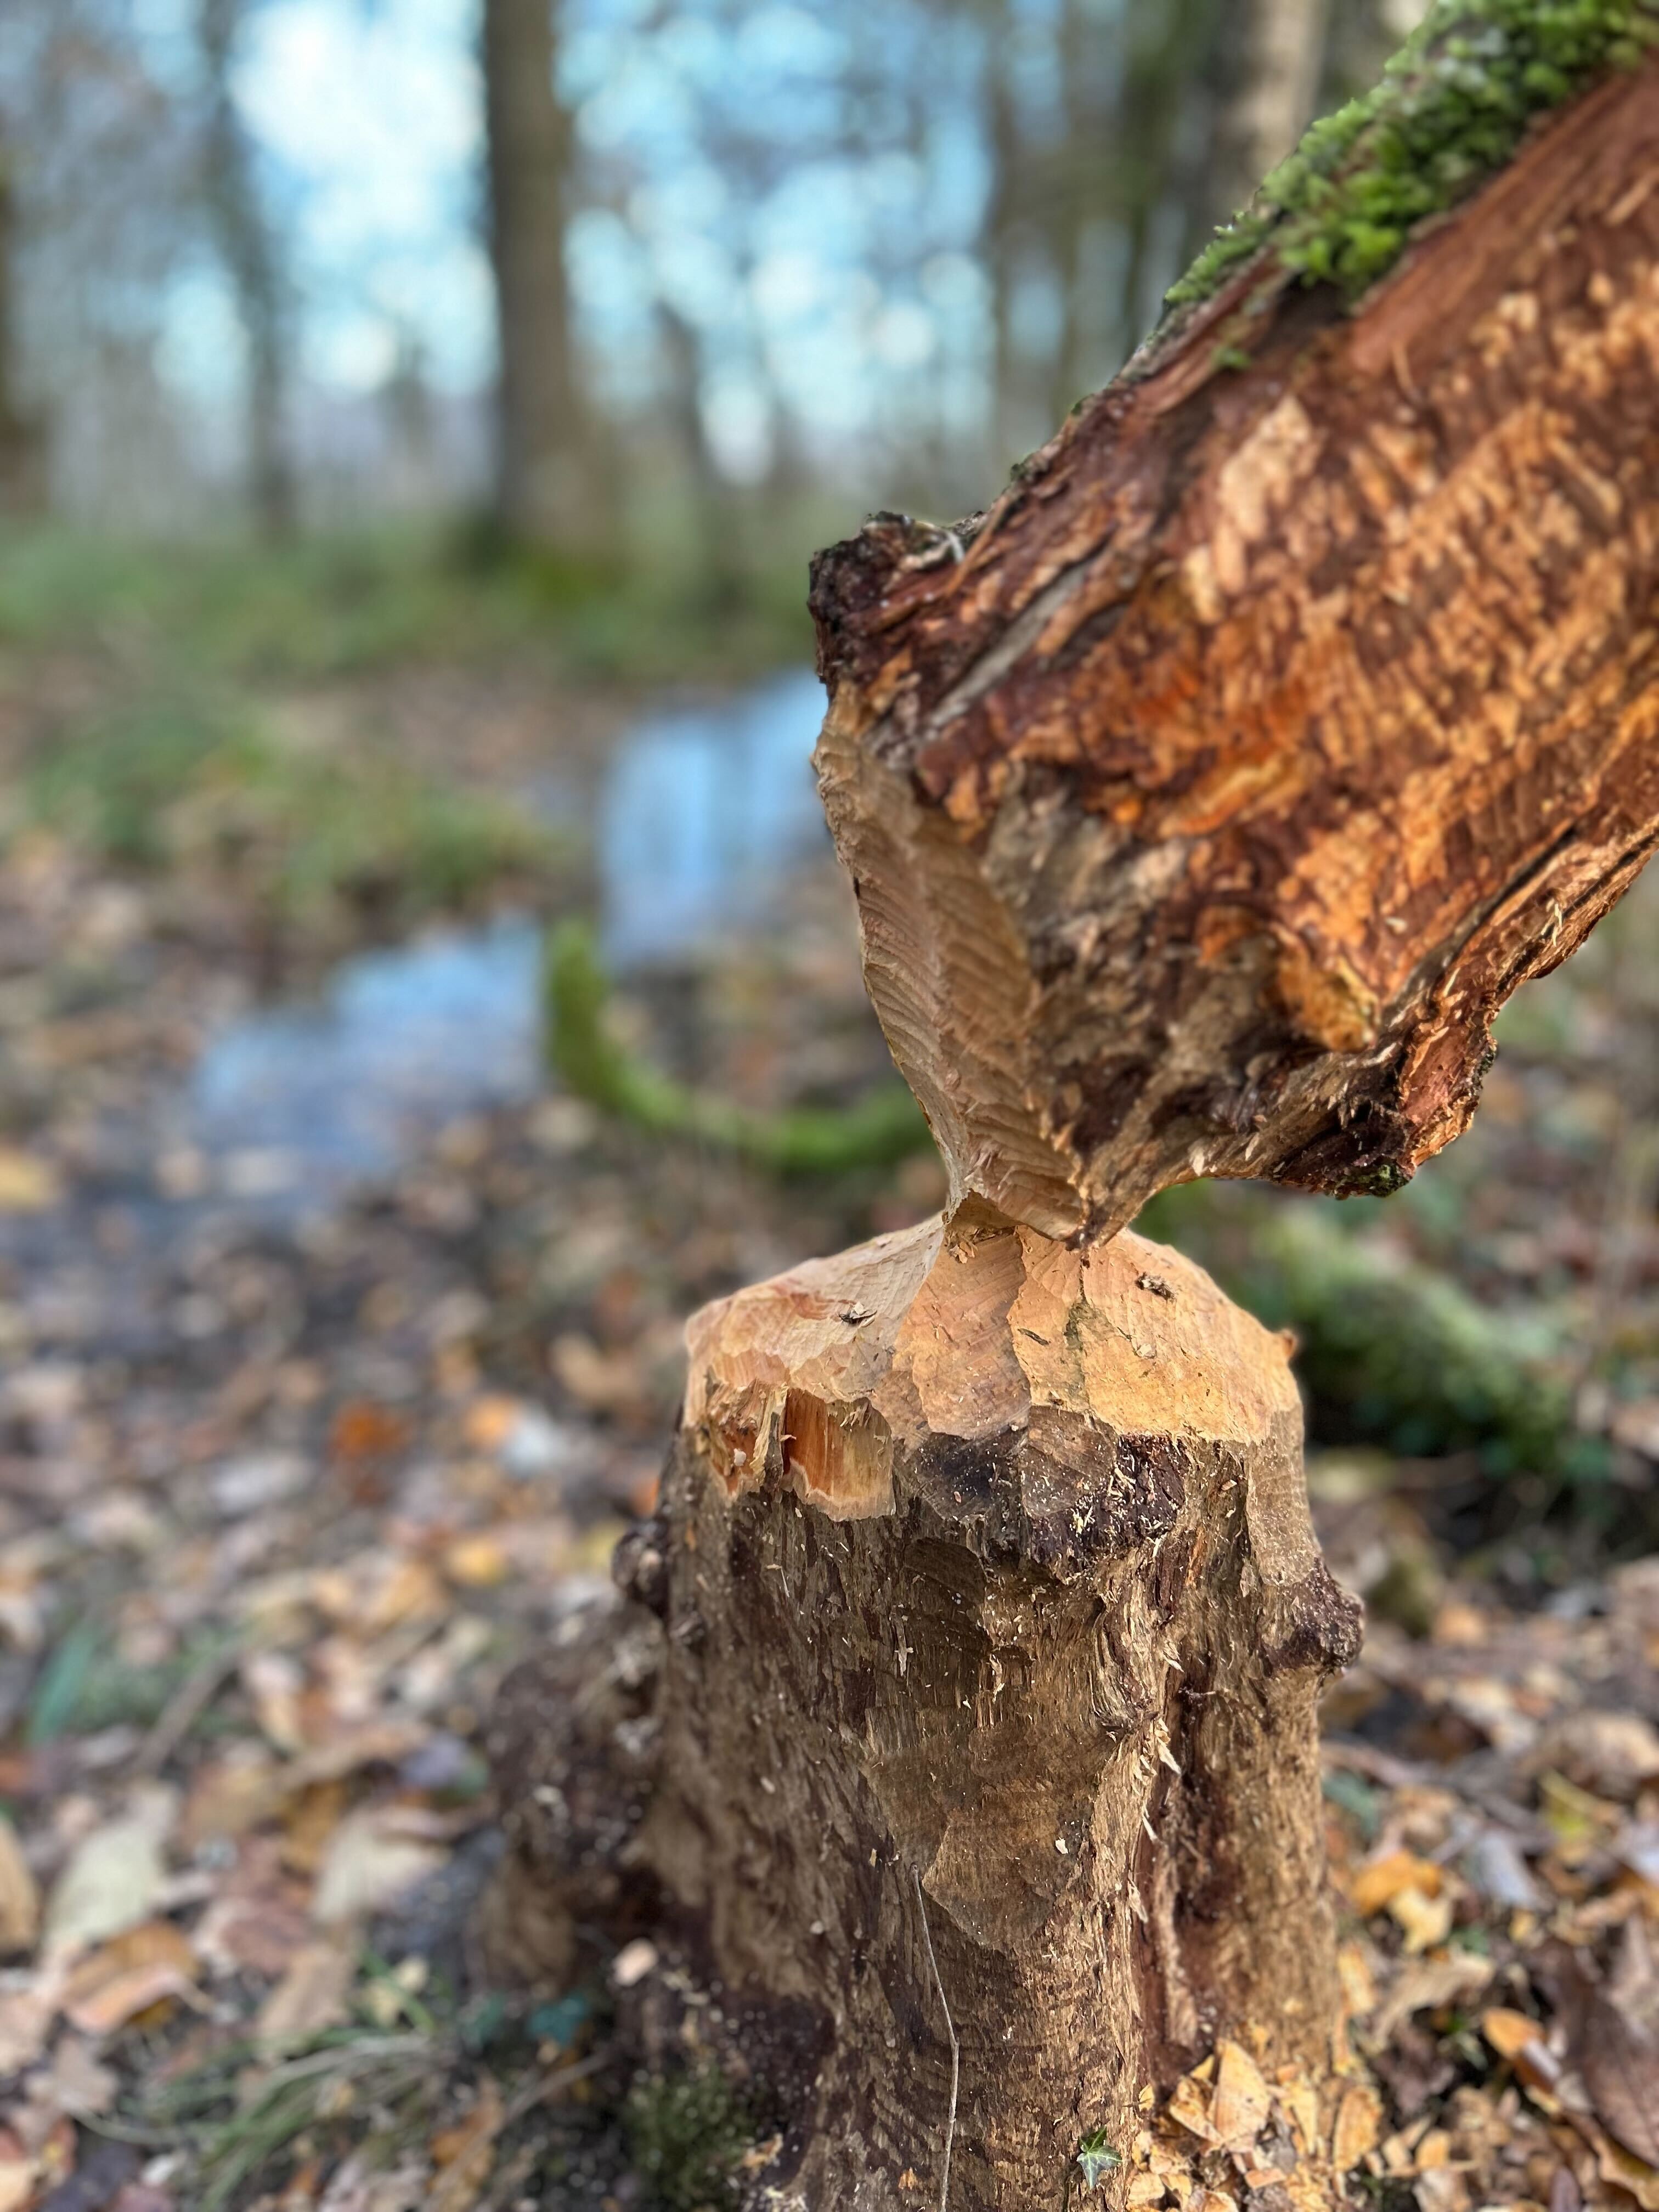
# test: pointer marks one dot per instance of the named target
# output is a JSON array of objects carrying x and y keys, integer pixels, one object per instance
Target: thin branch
[{"x": 956, "y": 2048}]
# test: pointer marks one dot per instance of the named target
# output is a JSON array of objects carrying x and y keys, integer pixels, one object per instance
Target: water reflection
[{"x": 704, "y": 815}]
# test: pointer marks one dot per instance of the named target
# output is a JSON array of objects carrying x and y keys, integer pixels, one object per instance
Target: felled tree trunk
[
  {"x": 1207, "y": 798},
  {"x": 1203, "y": 802}
]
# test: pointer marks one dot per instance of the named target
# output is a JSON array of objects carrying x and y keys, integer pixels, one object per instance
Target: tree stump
[
  {"x": 995, "y": 1625},
  {"x": 1203, "y": 802}
]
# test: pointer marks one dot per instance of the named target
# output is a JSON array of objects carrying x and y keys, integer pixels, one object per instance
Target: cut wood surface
[{"x": 1207, "y": 798}]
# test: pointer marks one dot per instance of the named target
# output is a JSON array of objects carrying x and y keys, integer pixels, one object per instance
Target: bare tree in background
[
  {"x": 249, "y": 248},
  {"x": 22, "y": 482},
  {"x": 1271, "y": 55},
  {"x": 547, "y": 483}
]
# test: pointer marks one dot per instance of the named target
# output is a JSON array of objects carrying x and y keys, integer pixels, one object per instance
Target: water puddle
[{"x": 703, "y": 814}]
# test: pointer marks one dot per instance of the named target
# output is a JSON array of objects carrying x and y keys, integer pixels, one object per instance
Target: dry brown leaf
[
  {"x": 26, "y": 2019},
  {"x": 1619, "y": 2065},
  {"x": 370, "y": 1866},
  {"x": 1424, "y": 1984},
  {"x": 114, "y": 1876},
  {"x": 1189, "y": 2107},
  {"x": 1357, "y": 2129},
  {"x": 1242, "y": 2099},
  {"x": 20, "y": 1896},
  {"x": 80, "y": 2086},
  {"x": 1375, "y": 1885},
  {"x": 143, "y": 1966},
  {"x": 1426, "y": 1920},
  {"x": 1298, "y": 2100},
  {"x": 469, "y": 2155},
  {"x": 1615, "y": 2164},
  {"x": 1510, "y": 2032},
  {"x": 311, "y": 1996}
]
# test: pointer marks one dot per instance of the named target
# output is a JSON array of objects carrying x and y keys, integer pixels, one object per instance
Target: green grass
[
  {"x": 189, "y": 782},
  {"x": 1452, "y": 108},
  {"x": 327, "y": 607}
]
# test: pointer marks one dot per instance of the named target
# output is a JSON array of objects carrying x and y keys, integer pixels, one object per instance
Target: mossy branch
[
  {"x": 1453, "y": 108},
  {"x": 884, "y": 1126}
]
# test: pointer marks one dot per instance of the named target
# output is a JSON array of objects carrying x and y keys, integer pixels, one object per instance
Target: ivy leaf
[{"x": 1096, "y": 2158}]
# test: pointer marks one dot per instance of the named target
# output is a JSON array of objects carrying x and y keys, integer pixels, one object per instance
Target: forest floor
[{"x": 299, "y": 1454}]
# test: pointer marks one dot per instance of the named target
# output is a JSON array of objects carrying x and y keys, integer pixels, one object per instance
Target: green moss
[
  {"x": 1452, "y": 107},
  {"x": 686, "y": 2133}
]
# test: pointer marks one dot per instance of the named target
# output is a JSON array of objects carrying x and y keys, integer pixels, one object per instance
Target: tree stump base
[{"x": 985, "y": 1792}]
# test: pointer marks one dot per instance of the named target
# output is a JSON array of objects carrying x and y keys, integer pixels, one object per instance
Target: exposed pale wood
[{"x": 1206, "y": 799}]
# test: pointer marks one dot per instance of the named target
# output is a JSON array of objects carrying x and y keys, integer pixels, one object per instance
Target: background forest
[{"x": 424, "y": 979}]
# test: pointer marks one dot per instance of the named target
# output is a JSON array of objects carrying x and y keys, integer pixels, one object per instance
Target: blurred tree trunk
[
  {"x": 1271, "y": 58},
  {"x": 547, "y": 491},
  {"x": 251, "y": 256},
  {"x": 21, "y": 455},
  {"x": 713, "y": 507}
]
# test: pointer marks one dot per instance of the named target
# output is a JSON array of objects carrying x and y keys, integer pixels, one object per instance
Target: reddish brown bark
[{"x": 1209, "y": 796}]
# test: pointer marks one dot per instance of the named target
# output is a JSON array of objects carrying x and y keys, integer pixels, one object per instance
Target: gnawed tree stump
[
  {"x": 1203, "y": 801},
  {"x": 996, "y": 1624}
]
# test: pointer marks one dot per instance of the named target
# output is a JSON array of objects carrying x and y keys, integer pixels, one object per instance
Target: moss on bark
[{"x": 1451, "y": 109}]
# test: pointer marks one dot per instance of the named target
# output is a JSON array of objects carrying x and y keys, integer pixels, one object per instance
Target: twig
[{"x": 956, "y": 2048}]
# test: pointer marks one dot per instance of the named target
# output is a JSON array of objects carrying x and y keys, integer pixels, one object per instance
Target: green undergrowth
[
  {"x": 1392, "y": 1352},
  {"x": 884, "y": 1126},
  {"x": 1452, "y": 108},
  {"x": 686, "y": 2133},
  {"x": 325, "y": 607},
  {"x": 191, "y": 783}
]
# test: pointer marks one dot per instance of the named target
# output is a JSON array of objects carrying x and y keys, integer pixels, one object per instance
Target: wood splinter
[{"x": 1204, "y": 800}]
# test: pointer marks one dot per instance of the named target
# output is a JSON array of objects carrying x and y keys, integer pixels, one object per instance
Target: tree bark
[
  {"x": 22, "y": 486},
  {"x": 251, "y": 257},
  {"x": 1207, "y": 798},
  {"x": 546, "y": 488}
]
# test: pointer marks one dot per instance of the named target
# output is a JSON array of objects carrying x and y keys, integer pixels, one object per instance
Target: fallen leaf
[
  {"x": 311, "y": 1996},
  {"x": 114, "y": 1876},
  {"x": 26, "y": 2019},
  {"x": 370, "y": 1866},
  {"x": 80, "y": 2084},
  {"x": 1426, "y": 1920},
  {"x": 1620, "y": 2064},
  {"x": 1375, "y": 1885},
  {"x": 1510, "y": 2032},
  {"x": 364, "y": 1430},
  {"x": 141, "y": 1967},
  {"x": 1606, "y": 1754},
  {"x": 1242, "y": 2100},
  {"x": 1358, "y": 2127},
  {"x": 1634, "y": 2175},
  {"x": 1424, "y": 1986},
  {"x": 20, "y": 1897}
]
